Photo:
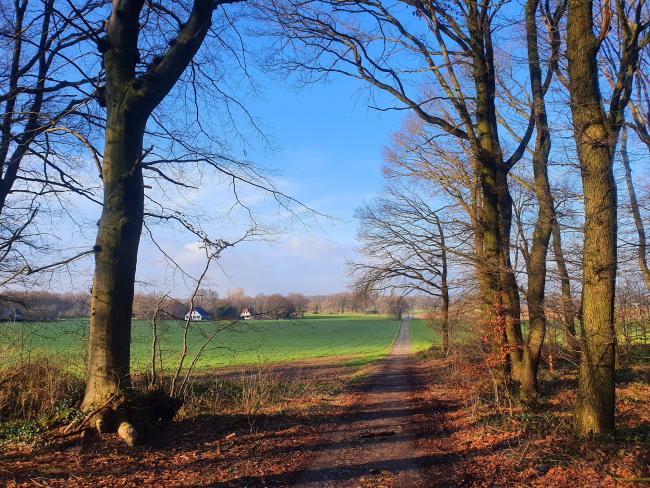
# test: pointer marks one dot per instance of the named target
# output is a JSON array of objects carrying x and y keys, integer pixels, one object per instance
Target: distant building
[
  {"x": 247, "y": 314},
  {"x": 198, "y": 314},
  {"x": 12, "y": 314}
]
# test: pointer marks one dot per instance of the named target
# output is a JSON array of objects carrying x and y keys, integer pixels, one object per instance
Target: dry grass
[
  {"x": 252, "y": 392},
  {"x": 33, "y": 388}
]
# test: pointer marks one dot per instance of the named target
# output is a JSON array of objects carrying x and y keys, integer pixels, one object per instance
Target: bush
[{"x": 37, "y": 388}]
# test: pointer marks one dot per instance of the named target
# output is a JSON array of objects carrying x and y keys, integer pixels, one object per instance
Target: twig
[{"x": 523, "y": 453}]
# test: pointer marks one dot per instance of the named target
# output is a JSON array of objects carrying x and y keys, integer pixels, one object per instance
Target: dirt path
[{"x": 377, "y": 443}]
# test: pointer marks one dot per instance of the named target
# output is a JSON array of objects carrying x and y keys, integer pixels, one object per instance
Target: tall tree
[
  {"x": 451, "y": 49},
  {"x": 536, "y": 260},
  {"x": 596, "y": 134},
  {"x": 130, "y": 96},
  {"x": 46, "y": 124}
]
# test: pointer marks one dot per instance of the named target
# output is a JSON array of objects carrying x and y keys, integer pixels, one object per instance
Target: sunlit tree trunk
[{"x": 596, "y": 392}]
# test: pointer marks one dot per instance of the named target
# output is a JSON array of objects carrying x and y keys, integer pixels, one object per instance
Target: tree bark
[
  {"x": 595, "y": 405},
  {"x": 118, "y": 239},
  {"x": 496, "y": 277}
]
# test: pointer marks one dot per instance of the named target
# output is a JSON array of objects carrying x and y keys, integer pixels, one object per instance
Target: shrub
[{"x": 37, "y": 388}]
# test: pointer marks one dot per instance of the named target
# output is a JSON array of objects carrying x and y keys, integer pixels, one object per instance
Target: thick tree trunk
[
  {"x": 130, "y": 99},
  {"x": 496, "y": 278},
  {"x": 595, "y": 406},
  {"x": 487, "y": 160},
  {"x": 117, "y": 244}
]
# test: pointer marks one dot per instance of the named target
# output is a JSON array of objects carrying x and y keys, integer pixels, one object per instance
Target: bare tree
[
  {"x": 47, "y": 122},
  {"x": 636, "y": 211},
  {"x": 140, "y": 70},
  {"x": 403, "y": 243},
  {"x": 596, "y": 134},
  {"x": 639, "y": 104},
  {"x": 449, "y": 54}
]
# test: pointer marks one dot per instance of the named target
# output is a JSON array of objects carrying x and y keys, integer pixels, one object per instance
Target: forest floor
[{"x": 405, "y": 421}]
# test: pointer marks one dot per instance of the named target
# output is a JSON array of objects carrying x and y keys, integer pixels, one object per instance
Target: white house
[
  {"x": 198, "y": 314},
  {"x": 247, "y": 314}
]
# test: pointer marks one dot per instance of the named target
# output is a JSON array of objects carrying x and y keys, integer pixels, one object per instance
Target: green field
[
  {"x": 247, "y": 342},
  {"x": 422, "y": 335}
]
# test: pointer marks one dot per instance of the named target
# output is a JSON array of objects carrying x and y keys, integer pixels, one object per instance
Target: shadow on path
[{"x": 377, "y": 440}]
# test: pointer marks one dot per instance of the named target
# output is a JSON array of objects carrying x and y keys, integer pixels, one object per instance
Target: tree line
[
  {"x": 500, "y": 126},
  {"x": 46, "y": 306}
]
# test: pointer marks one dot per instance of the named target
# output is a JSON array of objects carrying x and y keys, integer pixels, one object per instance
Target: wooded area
[{"x": 513, "y": 215}]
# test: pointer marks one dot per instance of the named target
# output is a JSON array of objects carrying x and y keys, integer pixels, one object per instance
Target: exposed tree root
[{"x": 132, "y": 415}]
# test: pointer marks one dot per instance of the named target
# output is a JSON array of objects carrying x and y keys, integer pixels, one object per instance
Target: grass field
[
  {"x": 356, "y": 338},
  {"x": 422, "y": 335}
]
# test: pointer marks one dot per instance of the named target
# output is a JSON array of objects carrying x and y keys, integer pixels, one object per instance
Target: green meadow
[
  {"x": 353, "y": 338},
  {"x": 423, "y": 337}
]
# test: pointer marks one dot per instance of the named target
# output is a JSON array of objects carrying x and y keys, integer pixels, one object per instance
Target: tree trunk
[
  {"x": 130, "y": 99},
  {"x": 595, "y": 406},
  {"x": 117, "y": 244},
  {"x": 508, "y": 282},
  {"x": 444, "y": 290},
  {"x": 536, "y": 264},
  {"x": 568, "y": 309},
  {"x": 445, "y": 318},
  {"x": 636, "y": 213},
  {"x": 495, "y": 274}
]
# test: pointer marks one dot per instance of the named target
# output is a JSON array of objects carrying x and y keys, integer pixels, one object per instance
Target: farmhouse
[
  {"x": 247, "y": 314},
  {"x": 198, "y": 314}
]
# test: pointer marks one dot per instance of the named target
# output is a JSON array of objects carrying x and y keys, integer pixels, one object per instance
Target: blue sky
[
  {"x": 327, "y": 153},
  {"x": 325, "y": 150}
]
